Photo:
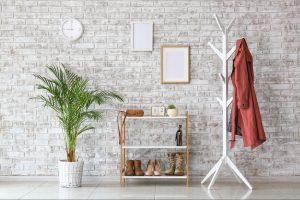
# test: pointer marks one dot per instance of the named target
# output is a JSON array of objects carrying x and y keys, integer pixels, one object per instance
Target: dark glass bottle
[{"x": 178, "y": 137}]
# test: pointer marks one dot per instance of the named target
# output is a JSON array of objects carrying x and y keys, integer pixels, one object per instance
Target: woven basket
[{"x": 70, "y": 173}]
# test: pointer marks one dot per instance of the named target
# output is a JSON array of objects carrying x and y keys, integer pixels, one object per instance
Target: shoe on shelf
[
  {"x": 129, "y": 168},
  {"x": 179, "y": 164},
  {"x": 157, "y": 169},
  {"x": 150, "y": 168},
  {"x": 137, "y": 168},
  {"x": 171, "y": 165}
]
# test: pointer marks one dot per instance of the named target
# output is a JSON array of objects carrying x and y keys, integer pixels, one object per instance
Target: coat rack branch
[
  {"x": 215, "y": 50},
  {"x": 232, "y": 50}
]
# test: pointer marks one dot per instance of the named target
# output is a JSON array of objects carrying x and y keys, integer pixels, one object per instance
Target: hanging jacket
[{"x": 245, "y": 108}]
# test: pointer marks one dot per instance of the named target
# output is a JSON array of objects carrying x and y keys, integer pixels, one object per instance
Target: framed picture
[
  {"x": 142, "y": 36},
  {"x": 158, "y": 111},
  {"x": 175, "y": 64}
]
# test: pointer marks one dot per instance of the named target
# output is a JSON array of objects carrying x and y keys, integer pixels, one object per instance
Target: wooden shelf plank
[
  {"x": 154, "y": 147},
  {"x": 154, "y": 177}
]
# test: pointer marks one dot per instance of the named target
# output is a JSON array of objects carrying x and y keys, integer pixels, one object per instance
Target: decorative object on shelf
[
  {"x": 172, "y": 111},
  {"x": 71, "y": 29},
  {"x": 142, "y": 36},
  {"x": 135, "y": 113},
  {"x": 178, "y": 137},
  {"x": 158, "y": 111},
  {"x": 175, "y": 64},
  {"x": 68, "y": 95}
]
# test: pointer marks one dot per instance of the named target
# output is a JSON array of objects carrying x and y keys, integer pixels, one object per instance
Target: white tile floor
[{"x": 264, "y": 188}]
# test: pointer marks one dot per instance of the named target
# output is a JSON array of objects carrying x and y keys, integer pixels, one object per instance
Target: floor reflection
[{"x": 240, "y": 192}]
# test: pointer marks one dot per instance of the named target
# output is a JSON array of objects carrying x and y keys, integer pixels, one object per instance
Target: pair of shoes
[
  {"x": 175, "y": 164},
  {"x": 153, "y": 168},
  {"x": 133, "y": 167}
]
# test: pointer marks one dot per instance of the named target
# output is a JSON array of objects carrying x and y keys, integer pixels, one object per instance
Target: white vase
[
  {"x": 172, "y": 112},
  {"x": 70, "y": 173}
]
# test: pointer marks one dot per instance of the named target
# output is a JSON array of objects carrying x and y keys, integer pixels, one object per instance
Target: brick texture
[{"x": 30, "y": 137}]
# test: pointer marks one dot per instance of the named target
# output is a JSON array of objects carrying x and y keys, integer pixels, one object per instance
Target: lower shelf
[{"x": 154, "y": 177}]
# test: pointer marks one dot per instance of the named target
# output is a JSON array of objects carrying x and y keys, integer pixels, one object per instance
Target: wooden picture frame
[
  {"x": 175, "y": 64},
  {"x": 142, "y": 36}
]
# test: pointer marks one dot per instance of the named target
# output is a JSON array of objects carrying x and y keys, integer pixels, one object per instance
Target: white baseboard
[
  {"x": 117, "y": 178},
  {"x": 54, "y": 178}
]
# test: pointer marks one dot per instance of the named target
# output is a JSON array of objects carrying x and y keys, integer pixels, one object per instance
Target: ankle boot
[
  {"x": 179, "y": 164},
  {"x": 137, "y": 168},
  {"x": 129, "y": 168},
  {"x": 157, "y": 168},
  {"x": 171, "y": 165},
  {"x": 150, "y": 168}
]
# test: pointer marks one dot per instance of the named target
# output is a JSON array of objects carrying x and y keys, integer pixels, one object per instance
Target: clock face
[{"x": 72, "y": 29}]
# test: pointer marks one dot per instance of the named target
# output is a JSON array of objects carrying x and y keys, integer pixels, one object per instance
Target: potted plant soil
[
  {"x": 68, "y": 95},
  {"x": 172, "y": 110}
]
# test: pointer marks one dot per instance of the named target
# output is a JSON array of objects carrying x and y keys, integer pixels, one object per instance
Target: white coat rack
[{"x": 225, "y": 160}]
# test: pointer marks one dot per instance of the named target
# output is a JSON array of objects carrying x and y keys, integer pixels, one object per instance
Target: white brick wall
[{"x": 30, "y": 139}]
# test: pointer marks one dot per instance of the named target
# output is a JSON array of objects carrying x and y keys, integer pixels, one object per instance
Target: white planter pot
[
  {"x": 172, "y": 112},
  {"x": 70, "y": 173}
]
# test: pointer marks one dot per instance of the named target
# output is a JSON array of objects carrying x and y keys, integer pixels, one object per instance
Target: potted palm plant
[{"x": 68, "y": 95}]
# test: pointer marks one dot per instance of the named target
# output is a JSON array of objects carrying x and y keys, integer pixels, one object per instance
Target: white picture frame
[
  {"x": 175, "y": 64},
  {"x": 142, "y": 36}
]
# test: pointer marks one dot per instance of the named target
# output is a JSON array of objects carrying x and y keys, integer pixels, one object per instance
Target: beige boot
[
  {"x": 150, "y": 168},
  {"x": 171, "y": 165},
  {"x": 157, "y": 168},
  {"x": 179, "y": 164}
]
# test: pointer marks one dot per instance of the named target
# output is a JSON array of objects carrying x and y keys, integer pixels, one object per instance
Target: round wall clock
[{"x": 71, "y": 29}]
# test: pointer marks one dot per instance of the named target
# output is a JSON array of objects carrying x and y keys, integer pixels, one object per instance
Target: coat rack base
[{"x": 214, "y": 172}]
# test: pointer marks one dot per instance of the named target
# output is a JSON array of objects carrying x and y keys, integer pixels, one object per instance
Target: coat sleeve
[{"x": 242, "y": 81}]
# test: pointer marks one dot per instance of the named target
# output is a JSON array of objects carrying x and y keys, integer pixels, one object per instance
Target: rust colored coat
[{"x": 244, "y": 105}]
